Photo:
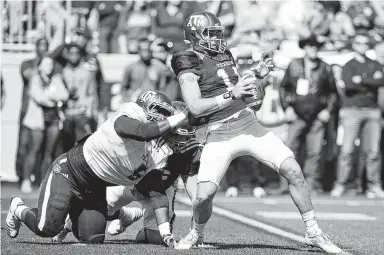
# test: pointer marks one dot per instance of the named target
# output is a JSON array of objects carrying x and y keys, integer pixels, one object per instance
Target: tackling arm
[{"x": 131, "y": 128}]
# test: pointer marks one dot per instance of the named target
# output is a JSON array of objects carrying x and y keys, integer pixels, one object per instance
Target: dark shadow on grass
[
  {"x": 80, "y": 243},
  {"x": 227, "y": 246}
]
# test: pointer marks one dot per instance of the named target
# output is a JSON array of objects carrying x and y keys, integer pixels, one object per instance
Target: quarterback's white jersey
[{"x": 124, "y": 161}]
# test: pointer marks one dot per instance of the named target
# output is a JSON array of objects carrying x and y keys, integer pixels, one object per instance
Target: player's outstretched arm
[
  {"x": 200, "y": 106},
  {"x": 127, "y": 127}
]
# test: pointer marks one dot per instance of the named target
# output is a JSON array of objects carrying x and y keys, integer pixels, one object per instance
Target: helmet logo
[
  {"x": 148, "y": 95},
  {"x": 196, "y": 20}
]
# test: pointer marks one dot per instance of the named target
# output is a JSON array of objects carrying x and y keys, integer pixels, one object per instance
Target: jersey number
[{"x": 224, "y": 75}]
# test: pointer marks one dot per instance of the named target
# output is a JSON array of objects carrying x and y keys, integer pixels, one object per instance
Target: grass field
[{"x": 247, "y": 226}]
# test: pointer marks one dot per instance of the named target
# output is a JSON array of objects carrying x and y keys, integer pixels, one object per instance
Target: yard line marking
[
  {"x": 248, "y": 221},
  {"x": 319, "y": 216},
  {"x": 270, "y": 201}
]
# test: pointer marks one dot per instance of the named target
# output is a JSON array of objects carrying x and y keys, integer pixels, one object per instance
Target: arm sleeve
[
  {"x": 127, "y": 127},
  {"x": 186, "y": 62}
]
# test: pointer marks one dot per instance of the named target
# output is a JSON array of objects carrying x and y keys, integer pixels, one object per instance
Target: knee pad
[{"x": 90, "y": 227}]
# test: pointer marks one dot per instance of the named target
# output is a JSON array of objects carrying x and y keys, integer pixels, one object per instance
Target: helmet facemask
[
  {"x": 178, "y": 137},
  {"x": 158, "y": 111},
  {"x": 212, "y": 38}
]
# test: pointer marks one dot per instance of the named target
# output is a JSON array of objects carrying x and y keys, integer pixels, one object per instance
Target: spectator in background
[
  {"x": 168, "y": 20},
  {"x": 45, "y": 91},
  {"x": 379, "y": 50},
  {"x": 341, "y": 28},
  {"x": 169, "y": 84},
  {"x": 362, "y": 14},
  {"x": 81, "y": 107},
  {"x": 2, "y": 92},
  {"x": 109, "y": 12},
  {"x": 134, "y": 23},
  {"x": 81, "y": 37},
  {"x": 360, "y": 116},
  {"x": 309, "y": 95},
  {"x": 143, "y": 75},
  {"x": 27, "y": 69}
]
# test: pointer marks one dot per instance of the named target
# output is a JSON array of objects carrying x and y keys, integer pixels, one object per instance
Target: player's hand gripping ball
[{"x": 256, "y": 100}]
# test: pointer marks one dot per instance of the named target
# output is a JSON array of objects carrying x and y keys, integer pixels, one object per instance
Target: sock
[
  {"x": 164, "y": 229},
  {"x": 19, "y": 211},
  {"x": 199, "y": 229},
  {"x": 310, "y": 221}
]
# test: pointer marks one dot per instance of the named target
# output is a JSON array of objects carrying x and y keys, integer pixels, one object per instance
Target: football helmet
[
  {"x": 204, "y": 30},
  {"x": 156, "y": 105},
  {"x": 183, "y": 133}
]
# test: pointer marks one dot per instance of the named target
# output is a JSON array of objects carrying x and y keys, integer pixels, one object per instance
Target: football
[{"x": 256, "y": 100}]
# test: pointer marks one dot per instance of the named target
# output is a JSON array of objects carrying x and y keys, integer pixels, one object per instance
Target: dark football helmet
[
  {"x": 204, "y": 29},
  {"x": 156, "y": 105},
  {"x": 183, "y": 133}
]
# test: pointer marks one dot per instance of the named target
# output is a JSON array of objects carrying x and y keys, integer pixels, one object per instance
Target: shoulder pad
[
  {"x": 186, "y": 61},
  {"x": 132, "y": 110}
]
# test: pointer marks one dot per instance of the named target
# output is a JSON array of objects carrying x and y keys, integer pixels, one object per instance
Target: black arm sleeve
[{"x": 127, "y": 127}]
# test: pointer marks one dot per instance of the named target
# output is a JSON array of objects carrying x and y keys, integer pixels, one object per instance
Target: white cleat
[
  {"x": 63, "y": 233},
  {"x": 131, "y": 215},
  {"x": 232, "y": 192},
  {"x": 12, "y": 222},
  {"x": 259, "y": 192},
  {"x": 190, "y": 240},
  {"x": 169, "y": 240},
  {"x": 322, "y": 241}
]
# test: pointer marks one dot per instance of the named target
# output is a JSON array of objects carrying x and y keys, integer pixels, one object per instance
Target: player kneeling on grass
[
  {"x": 184, "y": 161},
  {"x": 127, "y": 148}
]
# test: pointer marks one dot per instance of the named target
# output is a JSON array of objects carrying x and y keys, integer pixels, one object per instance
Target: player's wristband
[
  {"x": 175, "y": 120},
  {"x": 224, "y": 100}
]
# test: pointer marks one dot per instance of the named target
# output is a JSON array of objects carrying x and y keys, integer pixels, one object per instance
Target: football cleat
[
  {"x": 169, "y": 240},
  {"x": 337, "y": 191},
  {"x": 131, "y": 215},
  {"x": 375, "y": 192},
  {"x": 232, "y": 192},
  {"x": 63, "y": 233},
  {"x": 322, "y": 241},
  {"x": 190, "y": 240},
  {"x": 13, "y": 223},
  {"x": 259, "y": 192}
]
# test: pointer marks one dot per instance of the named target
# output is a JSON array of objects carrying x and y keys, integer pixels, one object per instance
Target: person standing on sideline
[{"x": 309, "y": 95}]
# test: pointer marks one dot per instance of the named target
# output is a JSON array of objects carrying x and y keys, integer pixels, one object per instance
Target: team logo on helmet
[{"x": 156, "y": 105}]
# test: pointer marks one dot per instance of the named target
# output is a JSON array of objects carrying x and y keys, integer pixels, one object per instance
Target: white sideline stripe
[
  {"x": 183, "y": 213},
  {"x": 248, "y": 221},
  {"x": 319, "y": 216},
  {"x": 47, "y": 194},
  {"x": 270, "y": 201}
]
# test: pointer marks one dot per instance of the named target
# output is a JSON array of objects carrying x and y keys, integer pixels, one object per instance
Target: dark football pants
[{"x": 59, "y": 196}]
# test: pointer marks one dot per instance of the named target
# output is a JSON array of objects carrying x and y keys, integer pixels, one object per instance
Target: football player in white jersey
[
  {"x": 183, "y": 162},
  {"x": 219, "y": 100},
  {"x": 128, "y": 148}
]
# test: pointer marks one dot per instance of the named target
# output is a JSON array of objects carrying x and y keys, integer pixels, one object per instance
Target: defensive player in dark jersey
[
  {"x": 127, "y": 149},
  {"x": 218, "y": 100}
]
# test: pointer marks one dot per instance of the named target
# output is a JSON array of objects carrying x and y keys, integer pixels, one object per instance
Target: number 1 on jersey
[{"x": 224, "y": 75}]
